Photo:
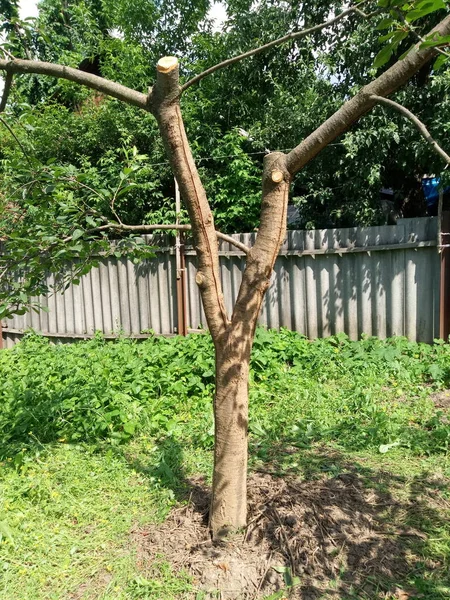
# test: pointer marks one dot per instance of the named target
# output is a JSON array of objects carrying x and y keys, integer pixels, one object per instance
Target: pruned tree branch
[
  {"x": 105, "y": 86},
  {"x": 166, "y": 109},
  {"x": 6, "y": 90},
  {"x": 418, "y": 124},
  {"x": 392, "y": 79},
  {"x": 295, "y": 35},
  {"x": 111, "y": 226}
]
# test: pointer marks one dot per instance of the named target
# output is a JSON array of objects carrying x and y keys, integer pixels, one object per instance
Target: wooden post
[{"x": 181, "y": 269}]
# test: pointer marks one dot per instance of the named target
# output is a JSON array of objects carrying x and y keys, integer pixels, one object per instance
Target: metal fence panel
[{"x": 380, "y": 281}]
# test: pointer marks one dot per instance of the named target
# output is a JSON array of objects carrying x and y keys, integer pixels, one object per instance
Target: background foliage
[{"x": 276, "y": 98}]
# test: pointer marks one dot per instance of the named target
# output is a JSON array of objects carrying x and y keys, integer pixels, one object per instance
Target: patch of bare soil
[
  {"x": 441, "y": 399},
  {"x": 328, "y": 533}
]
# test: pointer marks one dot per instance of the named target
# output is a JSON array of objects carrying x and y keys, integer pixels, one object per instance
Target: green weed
[{"x": 98, "y": 438}]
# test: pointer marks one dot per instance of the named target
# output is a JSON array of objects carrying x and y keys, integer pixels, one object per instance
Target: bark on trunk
[
  {"x": 229, "y": 493},
  {"x": 229, "y": 500},
  {"x": 166, "y": 109}
]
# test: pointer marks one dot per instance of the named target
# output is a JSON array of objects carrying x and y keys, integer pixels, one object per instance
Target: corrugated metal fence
[{"x": 378, "y": 280}]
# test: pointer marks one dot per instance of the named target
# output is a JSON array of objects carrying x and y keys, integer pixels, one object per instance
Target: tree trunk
[
  {"x": 229, "y": 493},
  {"x": 233, "y": 349}
]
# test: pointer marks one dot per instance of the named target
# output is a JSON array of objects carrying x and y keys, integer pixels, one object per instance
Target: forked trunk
[
  {"x": 233, "y": 349},
  {"x": 233, "y": 336},
  {"x": 229, "y": 497}
]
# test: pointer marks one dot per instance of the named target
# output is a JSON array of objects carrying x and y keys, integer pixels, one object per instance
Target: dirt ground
[
  {"x": 441, "y": 399},
  {"x": 323, "y": 538}
]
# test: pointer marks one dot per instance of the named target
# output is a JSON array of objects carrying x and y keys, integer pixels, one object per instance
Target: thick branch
[
  {"x": 271, "y": 233},
  {"x": 351, "y": 111},
  {"x": 418, "y": 124},
  {"x": 116, "y": 90},
  {"x": 166, "y": 108},
  {"x": 295, "y": 35}
]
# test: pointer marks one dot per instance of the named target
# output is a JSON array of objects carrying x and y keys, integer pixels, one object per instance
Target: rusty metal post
[
  {"x": 180, "y": 269},
  {"x": 444, "y": 251}
]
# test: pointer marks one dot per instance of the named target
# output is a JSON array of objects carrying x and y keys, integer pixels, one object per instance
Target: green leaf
[
  {"x": 130, "y": 427},
  {"x": 383, "y": 56},
  {"x": 386, "y": 37},
  {"x": 426, "y": 9},
  {"x": 77, "y": 234},
  {"x": 90, "y": 221},
  {"x": 436, "y": 372},
  {"x": 441, "y": 59},
  {"x": 384, "y": 24},
  {"x": 276, "y": 596},
  {"x": 435, "y": 41},
  {"x": 399, "y": 36},
  {"x": 280, "y": 569}
]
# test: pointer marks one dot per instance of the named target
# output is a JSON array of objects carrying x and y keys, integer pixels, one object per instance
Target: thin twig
[
  {"x": 144, "y": 228},
  {"x": 8, "y": 127},
  {"x": 264, "y": 575},
  {"x": 83, "y": 185},
  {"x": 119, "y": 227},
  {"x": 322, "y": 528},
  {"x": 254, "y": 520},
  {"x": 7, "y": 53},
  {"x": 294, "y": 35},
  {"x": 164, "y": 227},
  {"x": 417, "y": 122},
  {"x": 286, "y": 540}
]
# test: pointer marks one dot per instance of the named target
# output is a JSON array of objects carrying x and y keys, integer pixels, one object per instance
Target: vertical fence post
[
  {"x": 180, "y": 269},
  {"x": 444, "y": 252}
]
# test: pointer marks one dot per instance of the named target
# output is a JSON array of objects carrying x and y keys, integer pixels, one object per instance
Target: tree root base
[{"x": 312, "y": 537}]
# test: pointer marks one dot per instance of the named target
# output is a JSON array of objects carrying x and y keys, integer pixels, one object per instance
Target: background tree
[
  {"x": 232, "y": 334},
  {"x": 275, "y": 97}
]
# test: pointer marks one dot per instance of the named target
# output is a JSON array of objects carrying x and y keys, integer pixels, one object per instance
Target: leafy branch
[
  {"x": 401, "y": 17},
  {"x": 416, "y": 122}
]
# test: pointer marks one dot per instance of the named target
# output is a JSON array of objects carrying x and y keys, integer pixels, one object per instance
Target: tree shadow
[{"x": 344, "y": 529}]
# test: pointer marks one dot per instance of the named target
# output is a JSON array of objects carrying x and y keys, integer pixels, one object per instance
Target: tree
[
  {"x": 277, "y": 97},
  {"x": 233, "y": 334}
]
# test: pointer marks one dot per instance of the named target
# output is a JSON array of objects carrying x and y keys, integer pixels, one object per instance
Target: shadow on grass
[
  {"x": 347, "y": 530},
  {"x": 365, "y": 532}
]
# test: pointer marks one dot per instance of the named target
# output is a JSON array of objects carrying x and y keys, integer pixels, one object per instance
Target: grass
[{"x": 97, "y": 439}]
